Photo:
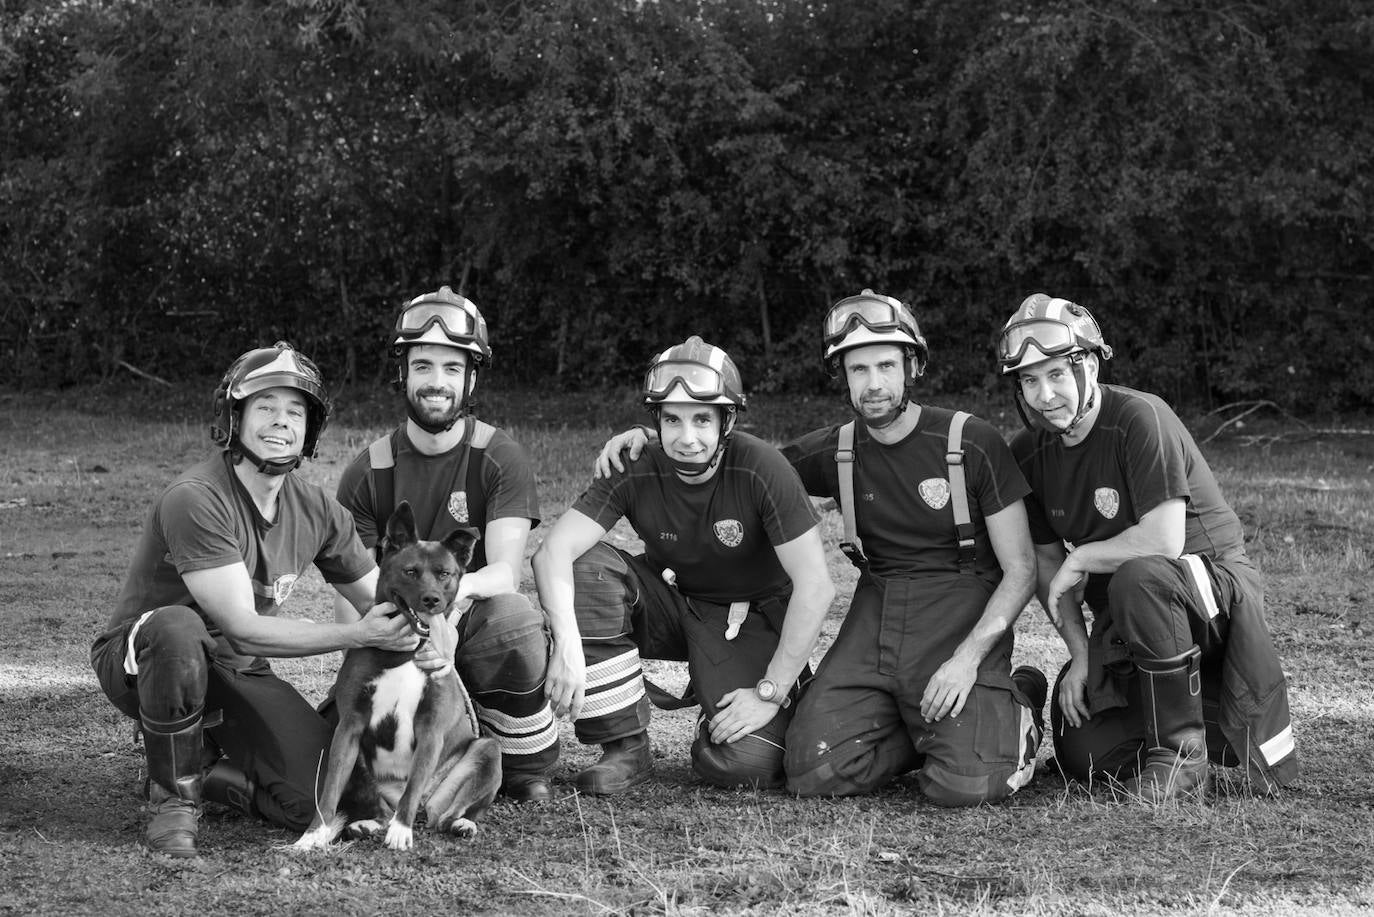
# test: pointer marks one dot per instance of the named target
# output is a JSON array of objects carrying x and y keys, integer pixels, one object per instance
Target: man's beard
[
  {"x": 431, "y": 415},
  {"x": 885, "y": 419}
]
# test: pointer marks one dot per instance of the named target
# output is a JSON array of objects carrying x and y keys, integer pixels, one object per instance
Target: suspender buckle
[{"x": 856, "y": 556}]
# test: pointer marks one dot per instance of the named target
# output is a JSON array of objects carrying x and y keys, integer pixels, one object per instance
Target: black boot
[
  {"x": 520, "y": 787},
  {"x": 1176, "y": 753},
  {"x": 174, "y": 752},
  {"x": 624, "y": 763},
  {"x": 227, "y": 785}
]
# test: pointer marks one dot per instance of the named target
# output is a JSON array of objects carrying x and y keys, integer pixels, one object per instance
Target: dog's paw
[
  {"x": 399, "y": 837},
  {"x": 316, "y": 838},
  {"x": 363, "y": 828},
  {"x": 463, "y": 827}
]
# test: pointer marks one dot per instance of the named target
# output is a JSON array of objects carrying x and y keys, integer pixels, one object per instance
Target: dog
[{"x": 406, "y": 736}]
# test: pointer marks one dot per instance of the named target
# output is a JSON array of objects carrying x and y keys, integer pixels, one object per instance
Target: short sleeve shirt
[
  {"x": 1137, "y": 455},
  {"x": 206, "y": 519},
  {"x": 718, "y": 537},
  {"x": 496, "y": 482},
  {"x": 903, "y": 513}
]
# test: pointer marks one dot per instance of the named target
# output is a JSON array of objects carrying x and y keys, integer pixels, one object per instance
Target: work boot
[
  {"x": 624, "y": 763},
  {"x": 1176, "y": 734},
  {"x": 227, "y": 785},
  {"x": 1035, "y": 687},
  {"x": 527, "y": 788},
  {"x": 174, "y": 752}
]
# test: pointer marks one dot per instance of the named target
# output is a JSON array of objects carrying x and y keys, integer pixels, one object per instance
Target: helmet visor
[
  {"x": 458, "y": 323},
  {"x": 699, "y": 380},
  {"x": 1051, "y": 338},
  {"x": 873, "y": 314}
]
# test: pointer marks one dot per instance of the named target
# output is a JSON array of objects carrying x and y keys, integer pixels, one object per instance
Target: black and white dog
[{"x": 406, "y": 737}]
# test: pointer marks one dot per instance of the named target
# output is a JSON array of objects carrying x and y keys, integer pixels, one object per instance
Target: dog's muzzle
[{"x": 417, "y": 624}]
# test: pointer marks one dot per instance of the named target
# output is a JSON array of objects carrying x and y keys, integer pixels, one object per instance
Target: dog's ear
[
  {"x": 400, "y": 528},
  {"x": 460, "y": 542}
]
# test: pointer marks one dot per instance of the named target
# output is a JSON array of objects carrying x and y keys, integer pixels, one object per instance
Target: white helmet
[
  {"x": 443, "y": 317},
  {"x": 871, "y": 318}
]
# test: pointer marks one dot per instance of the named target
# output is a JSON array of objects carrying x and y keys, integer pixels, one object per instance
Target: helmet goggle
[
  {"x": 874, "y": 314},
  {"x": 1051, "y": 338},
  {"x": 456, "y": 321},
  {"x": 698, "y": 380}
]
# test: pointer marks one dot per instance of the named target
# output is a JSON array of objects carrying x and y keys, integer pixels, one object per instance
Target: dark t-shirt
[
  {"x": 498, "y": 484},
  {"x": 206, "y": 519},
  {"x": 718, "y": 537},
  {"x": 1137, "y": 455},
  {"x": 903, "y": 512}
]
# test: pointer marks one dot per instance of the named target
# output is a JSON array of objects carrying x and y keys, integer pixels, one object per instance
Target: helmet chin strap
[
  {"x": 913, "y": 372},
  {"x": 273, "y": 467},
  {"x": 1086, "y": 399},
  {"x": 697, "y": 469}
]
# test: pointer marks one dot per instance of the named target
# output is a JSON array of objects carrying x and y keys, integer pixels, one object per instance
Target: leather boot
[
  {"x": 527, "y": 788},
  {"x": 624, "y": 763},
  {"x": 1176, "y": 752},
  {"x": 174, "y": 752},
  {"x": 227, "y": 785}
]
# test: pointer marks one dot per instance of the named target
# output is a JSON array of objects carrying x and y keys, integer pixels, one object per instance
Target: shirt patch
[
  {"x": 458, "y": 506},
  {"x": 730, "y": 532},
  {"x": 935, "y": 491},
  {"x": 282, "y": 586},
  {"x": 1107, "y": 501}
]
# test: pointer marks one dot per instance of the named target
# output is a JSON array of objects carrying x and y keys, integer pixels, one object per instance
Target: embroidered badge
[
  {"x": 281, "y": 587},
  {"x": 458, "y": 505},
  {"x": 935, "y": 491},
  {"x": 730, "y": 532},
  {"x": 1107, "y": 501}
]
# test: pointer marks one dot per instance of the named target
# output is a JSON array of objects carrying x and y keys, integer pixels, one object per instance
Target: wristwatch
[{"x": 767, "y": 690}]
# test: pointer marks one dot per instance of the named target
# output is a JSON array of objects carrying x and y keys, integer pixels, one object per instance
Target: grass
[{"x": 77, "y": 471}]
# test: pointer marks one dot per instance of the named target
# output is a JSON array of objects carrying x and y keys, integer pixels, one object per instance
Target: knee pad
[
  {"x": 603, "y": 592},
  {"x": 950, "y": 790},
  {"x": 755, "y": 760},
  {"x": 1134, "y": 575}
]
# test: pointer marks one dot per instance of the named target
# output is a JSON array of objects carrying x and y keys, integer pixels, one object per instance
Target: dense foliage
[{"x": 185, "y": 178}]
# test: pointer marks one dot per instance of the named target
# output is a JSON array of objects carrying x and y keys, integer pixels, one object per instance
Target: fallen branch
[
  {"x": 146, "y": 375},
  {"x": 1307, "y": 431},
  {"x": 1250, "y": 407}
]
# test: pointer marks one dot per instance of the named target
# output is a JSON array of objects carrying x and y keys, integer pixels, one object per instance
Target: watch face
[{"x": 766, "y": 689}]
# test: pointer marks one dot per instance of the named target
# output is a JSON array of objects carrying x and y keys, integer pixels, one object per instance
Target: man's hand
[
  {"x": 632, "y": 439},
  {"x": 386, "y": 629},
  {"x": 565, "y": 683},
  {"x": 1073, "y": 693},
  {"x": 741, "y": 713},
  {"x": 949, "y": 689},
  {"x": 1068, "y": 580},
  {"x": 439, "y": 650}
]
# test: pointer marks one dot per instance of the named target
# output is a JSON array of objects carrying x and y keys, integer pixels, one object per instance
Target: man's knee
[
  {"x": 1108, "y": 745},
  {"x": 945, "y": 786},
  {"x": 819, "y": 777},
  {"x": 502, "y": 624},
  {"x": 1138, "y": 573},
  {"x": 755, "y": 760},
  {"x": 174, "y": 629},
  {"x": 855, "y": 767},
  {"x": 603, "y": 591},
  {"x": 985, "y": 754}
]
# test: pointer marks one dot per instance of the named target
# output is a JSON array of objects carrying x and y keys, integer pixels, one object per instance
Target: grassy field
[{"x": 77, "y": 471}]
